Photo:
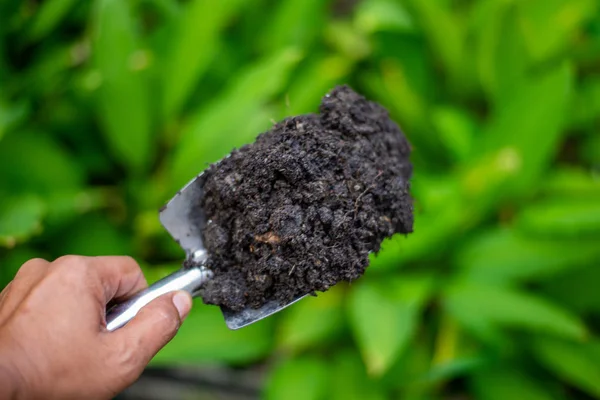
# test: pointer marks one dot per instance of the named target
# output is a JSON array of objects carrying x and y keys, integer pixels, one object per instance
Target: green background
[{"x": 108, "y": 107}]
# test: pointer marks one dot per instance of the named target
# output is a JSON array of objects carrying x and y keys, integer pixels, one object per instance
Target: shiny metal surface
[
  {"x": 236, "y": 320},
  {"x": 183, "y": 218},
  {"x": 185, "y": 279}
]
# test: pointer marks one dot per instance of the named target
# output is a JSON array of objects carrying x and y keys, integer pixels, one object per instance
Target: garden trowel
[{"x": 184, "y": 220}]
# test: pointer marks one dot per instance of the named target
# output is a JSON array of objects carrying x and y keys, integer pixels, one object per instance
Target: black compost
[{"x": 300, "y": 209}]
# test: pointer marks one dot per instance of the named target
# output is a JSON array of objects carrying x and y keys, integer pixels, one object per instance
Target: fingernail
[{"x": 183, "y": 303}]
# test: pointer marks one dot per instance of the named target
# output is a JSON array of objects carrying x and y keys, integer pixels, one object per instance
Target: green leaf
[
  {"x": 301, "y": 378},
  {"x": 294, "y": 23},
  {"x": 349, "y": 380},
  {"x": 550, "y": 26},
  {"x": 400, "y": 91},
  {"x": 585, "y": 107},
  {"x": 194, "y": 45},
  {"x": 167, "y": 8},
  {"x": 92, "y": 235},
  {"x": 590, "y": 149},
  {"x": 123, "y": 97},
  {"x": 383, "y": 15},
  {"x": 434, "y": 229},
  {"x": 455, "y": 368},
  {"x": 558, "y": 218},
  {"x": 482, "y": 328},
  {"x": 346, "y": 40},
  {"x": 64, "y": 206},
  {"x": 501, "y": 255},
  {"x": 500, "y": 54},
  {"x": 384, "y": 318},
  {"x": 507, "y": 382},
  {"x": 515, "y": 133},
  {"x": 509, "y": 308},
  {"x": 389, "y": 256},
  {"x": 313, "y": 321},
  {"x": 11, "y": 114},
  {"x": 576, "y": 363},
  {"x": 572, "y": 182},
  {"x": 20, "y": 218},
  {"x": 435, "y": 192},
  {"x": 32, "y": 162},
  {"x": 204, "y": 337},
  {"x": 583, "y": 282},
  {"x": 317, "y": 77},
  {"x": 443, "y": 32},
  {"x": 406, "y": 374},
  {"x": 456, "y": 129},
  {"x": 405, "y": 81},
  {"x": 232, "y": 119},
  {"x": 484, "y": 181},
  {"x": 50, "y": 14}
]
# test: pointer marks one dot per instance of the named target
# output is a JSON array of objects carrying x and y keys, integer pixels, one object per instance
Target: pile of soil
[{"x": 300, "y": 209}]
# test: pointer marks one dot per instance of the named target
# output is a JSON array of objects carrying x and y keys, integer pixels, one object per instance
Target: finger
[
  {"x": 4, "y": 311},
  {"x": 155, "y": 325},
  {"x": 27, "y": 277},
  {"x": 120, "y": 276},
  {"x": 4, "y": 291}
]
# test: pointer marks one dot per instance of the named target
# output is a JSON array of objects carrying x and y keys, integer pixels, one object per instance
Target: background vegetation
[{"x": 107, "y": 107}]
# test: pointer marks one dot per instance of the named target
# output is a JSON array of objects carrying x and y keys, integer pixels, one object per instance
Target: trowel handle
[{"x": 188, "y": 279}]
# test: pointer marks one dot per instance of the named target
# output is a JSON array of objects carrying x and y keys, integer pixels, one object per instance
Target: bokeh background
[{"x": 108, "y": 107}]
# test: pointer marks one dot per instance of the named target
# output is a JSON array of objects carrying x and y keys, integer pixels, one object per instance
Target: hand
[{"x": 53, "y": 338}]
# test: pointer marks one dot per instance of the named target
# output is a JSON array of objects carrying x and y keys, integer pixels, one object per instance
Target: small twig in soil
[{"x": 363, "y": 193}]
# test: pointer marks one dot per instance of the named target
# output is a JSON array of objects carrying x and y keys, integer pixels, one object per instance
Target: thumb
[{"x": 157, "y": 323}]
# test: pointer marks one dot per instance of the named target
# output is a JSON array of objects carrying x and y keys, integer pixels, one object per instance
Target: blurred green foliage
[{"x": 107, "y": 107}]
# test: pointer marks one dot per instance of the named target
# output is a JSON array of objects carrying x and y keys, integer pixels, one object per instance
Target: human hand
[{"x": 53, "y": 338}]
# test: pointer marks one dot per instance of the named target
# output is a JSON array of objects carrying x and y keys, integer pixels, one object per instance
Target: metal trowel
[{"x": 184, "y": 221}]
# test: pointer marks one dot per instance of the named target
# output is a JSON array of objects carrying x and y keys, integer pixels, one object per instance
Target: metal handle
[{"x": 185, "y": 279}]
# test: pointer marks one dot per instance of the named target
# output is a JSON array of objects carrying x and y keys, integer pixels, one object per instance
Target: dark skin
[{"x": 53, "y": 338}]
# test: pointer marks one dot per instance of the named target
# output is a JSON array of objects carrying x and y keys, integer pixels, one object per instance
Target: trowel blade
[
  {"x": 184, "y": 220},
  {"x": 240, "y": 319}
]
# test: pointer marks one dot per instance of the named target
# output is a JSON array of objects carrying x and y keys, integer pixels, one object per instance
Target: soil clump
[{"x": 300, "y": 209}]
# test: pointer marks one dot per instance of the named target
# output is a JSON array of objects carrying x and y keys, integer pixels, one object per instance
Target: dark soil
[{"x": 301, "y": 208}]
